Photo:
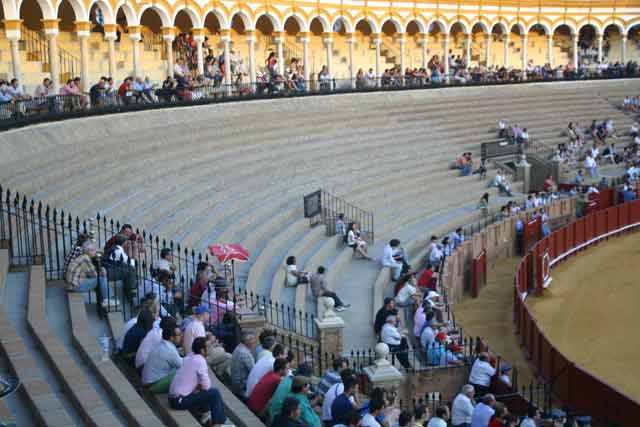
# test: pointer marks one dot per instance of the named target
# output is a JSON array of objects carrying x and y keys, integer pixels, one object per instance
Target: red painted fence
[
  {"x": 479, "y": 273},
  {"x": 578, "y": 390}
]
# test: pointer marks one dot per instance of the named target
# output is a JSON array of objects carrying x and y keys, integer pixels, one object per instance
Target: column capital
[
  {"x": 134, "y": 32},
  {"x": 351, "y": 38},
  {"x": 467, "y": 36},
  {"x": 82, "y": 28},
  {"x": 445, "y": 37},
  {"x": 505, "y": 37},
  {"x": 110, "y": 31},
  {"x": 304, "y": 37},
  {"x": 624, "y": 36},
  {"x": 250, "y": 36},
  {"x": 487, "y": 36},
  {"x": 400, "y": 38},
  {"x": 225, "y": 34},
  {"x": 197, "y": 32},
  {"x": 375, "y": 38},
  {"x": 12, "y": 28},
  {"x": 50, "y": 27},
  {"x": 278, "y": 36}
]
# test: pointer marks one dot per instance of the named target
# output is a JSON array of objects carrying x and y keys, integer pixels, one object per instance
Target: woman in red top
[{"x": 497, "y": 420}]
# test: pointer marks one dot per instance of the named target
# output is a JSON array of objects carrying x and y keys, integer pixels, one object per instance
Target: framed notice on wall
[{"x": 313, "y": 204}]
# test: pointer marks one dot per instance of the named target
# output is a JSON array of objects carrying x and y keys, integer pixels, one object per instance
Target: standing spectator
[
  {"x": 345, "y": 403},
  {"x": 397, "y": 343},
  {"x": 267, "y": 385},
  {"x": 435, "y": 254},
  {"x": 242, "y": 362},
  {"x": 318, "y": 284},
  {"x": 462, "y": 407},
  {"x": 481, "y": 374},
  {"x": 44, "y": 89},
  {"x": 330, "y": 396},
  {"x": 163, "y": 361},
  {"x": 441, "y": 417},
  {"x": 191, "y": 387},
  {"x": 389, "y": 261},
  {"x": 483, "y": 411}
]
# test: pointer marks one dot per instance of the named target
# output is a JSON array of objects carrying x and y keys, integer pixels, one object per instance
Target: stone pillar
[
  {"x": 383, "y": 373},
  {"x": 110, "y": 36},
  {"x": 168, "y": 35},
  {"x": 600, "y": 40},
  {"x": 575, "y": 51},
  {"x": 83, "y": 31},
  {"x": 487, "y": 58},
  {"x": 304, "y": 39},
  {"x": 445, "y": 47},
  {"x": 50, "y": 27},
  {"x": 331, "y": 329},
  {"x": 328, "y": 47},
  {"x": 506, "y": 50},
  {"x": 251, "y": 42},
  {"x": 352, "y": 72},
  {"x": 550, "y": 49},
  {"x": 423, "y": 41},
  {"x": 467, "y": 50},
  {"x": 523, "y": 173},
  {"x": 198, "y": 37},
  {"x": 253, "y": 321},
  {"x": 135, "y": 37},
  {"x": 279, "y": 39},
  {"x": 402, "y": 43},
  {"x": 375, "y": 39},
  {"x": 623, "y": 48},
  {"x": 12, "y": 31},
  {"x": 524, "y": 57},
  {"x": 226, "y": 39}
]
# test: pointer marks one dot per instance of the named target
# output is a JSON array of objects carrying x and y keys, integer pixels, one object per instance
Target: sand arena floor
[{"x": 590, "y": 311}]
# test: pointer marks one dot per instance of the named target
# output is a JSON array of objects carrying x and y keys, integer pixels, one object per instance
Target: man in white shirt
[
  {"x": 481, "y": 374},
  {"x": 196, "y": 327},
  {"x": 389, "y": 261},
  {"x": 334, "y": 391},
  {"x": 591, "y": 165},
  {"x": 462, "y": 407},
  {"x": 262, "y": 367},
  {"x": 375, "y": 408},
  {"x": 533, "y": 415},
  {"x": 153, "y": 337},
  {"x": 483, "y": 411},
  {"x": 441, "y": 417},
  {"x": 391, "y": 336}
]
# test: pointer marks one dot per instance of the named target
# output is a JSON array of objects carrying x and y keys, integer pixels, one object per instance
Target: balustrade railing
[{"x": 37, "y": 48}]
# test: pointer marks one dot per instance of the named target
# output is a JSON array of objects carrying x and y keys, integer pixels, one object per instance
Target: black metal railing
[
  {"x": 21, "y": 115},
  {"x": 323, "y": 207},
  {"x": 37, "y": 233}
]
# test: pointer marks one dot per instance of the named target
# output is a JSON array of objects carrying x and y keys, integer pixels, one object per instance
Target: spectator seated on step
[
  {"x": 153, "y": 337},
  {"x": 191, "y": 386},
  {"x": 147, "y": 301},
  {"x": 443, "y": 352},
  {"x": 126, "y": 92},
  {"x": 220, "y": 301},
  {"x": 318, "y": 284},
  {"x": 499, "y": 417},
  {"x": 465, "y": 164},
  {"x": 610, "y": 153},
  {"x": 392, "y": 259},
  {"x": 462, "y": 407},
  {"x": 523, "y": 137},
  {"x": 171, "y": 299},
  {"x": 500, "y": 181},
  {"x": 435, "y": 253},
  {"x": 330, "y": 395},
  {"x": 428, "y": 279},
  {"x": 75, "y": 251},
  {"x": 82, "y": 275},
  {"x": 481, "y": 374},
  {"x": 388, "y": 309},
  {"x": 266, "y": 387},
  {"x": 300, "y": 390},
  {"x": 483, "y": 411},
  {"x": 294, "y": 277},
  {"x": 591, "y": 165},
  {"x": 166, "y": 261},
  {"x": 397, "y": 342},
  {"x": 163, "y": 360},
  {"x": 264, "y": 366},
  {"x": 136, "y": 334},
  {"x": 408, "y": 296},
  {"x": 333, "y": 376},
  {"x": 120, "y": 253},
  {"x": 355, "y": 241},
  {"x": 290, "y": 414},
  {"x": 242, "y": 362},
  {"x": 346, "y": 402}
]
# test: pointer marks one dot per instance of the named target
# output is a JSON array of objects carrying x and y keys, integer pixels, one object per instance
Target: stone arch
[
  {"x": 632, "y": 24},
  {"x": 486, "y": 28},
  {"x": 45, "y": 8},
  {"x": 418, "y": 22},
  {"x": 128, "y": 12},
  {"x": 373, "y": 25},
  {"x": 462, "y": 24},
  {"x": 8, "y": 10},
  {"x": 324, "y": 21},
  {"x": 244, "y": 16},
  {"x": 159, "y": 10},
  {"x": 194, "y": 17},
  {"x": 107, "y": 11},
  {"x": 544, "y": 25},
  {"x": 566, "y": 23},
  {"x": 219, "y": 15},
  {"x": 293, "y": 24},
  {"x": 277, "y": 25},
  {"x": 499, "y": 24},
  {"x": 440, "y": 24},
  {"x": 298, "y": 18},
  {"x": 395, "y": 22},
  {"x": 80, "y": 13},
  {"x": 596, "y": 27},
  {"x": 346, "y": 23},
  {"x": 520, "y": 28},
  {"x": 611, "y": 22},
  {"x": 67, "y": 16}
]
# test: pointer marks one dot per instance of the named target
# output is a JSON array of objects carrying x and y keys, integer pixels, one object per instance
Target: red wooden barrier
[
  {"x": 577, "y": 389},
  {"x": 479, "y": 273}
]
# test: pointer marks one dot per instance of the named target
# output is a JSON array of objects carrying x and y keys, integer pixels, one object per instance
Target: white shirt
[
  {"x": 153, "y": 337},
  {"x": 461, "y": 410},
  {"x": 427, "y": 337},
  {"x": 437, "y": 422},
  {"x": 370, "y": 421},
  {"x": 351, "y": 238},
  {"x": 119, "y": 254},
  {"x": 163, "y": 264},
  {"x": 498, "y": 179},
  {"x": 193, "y": 330},
  {"x": 528, "y": 422},
  {"x": 387, "y": 257},
  {"x": 259, "y": 370},
  {"x": 481, "y": 373},
  {"x": 334, "y": 391},
  {"x": 126, "y": 328},
  {"x": 405, "y": 294},
  {"x": 505, "y": 379},
  {"x": 589, "y": 162},
  {"x": 390, "y": 335},
  {"x": 481, "y": 415},
  {"x": 292, "y": 279}
]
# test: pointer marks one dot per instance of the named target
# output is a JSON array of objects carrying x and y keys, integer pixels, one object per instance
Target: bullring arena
[{"x": 452, "y": 229}]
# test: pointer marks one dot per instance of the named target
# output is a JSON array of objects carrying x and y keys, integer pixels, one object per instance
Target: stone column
[
  {"x": 383, "y": 373},
  {"x": 550, "y": 49},
  {"x": 487, "y": 59},
  {"x": 524, "y": 57},
  {"x": 352, "y": 72},
  {"x": 331, "y": 329},
  {"x": 506, "y": 50},
  {"x": 575, "y": 51},
  {"x": 304, "y": 39},
  {"x": 523, "y": 173},
  {"x": 168, "y": 35},
  {"x": 226, "y": 39},
  {"x": 50, "y": 27},
  {"x": 251, "y": 42},
  {"x": 467, "y": 49},
  {"x": 623, "y": 48},
  {"x": 424, "y": 40},
  {"x": 279, "y": 39},
  {"x": 135, "y": 37},
  {"x": 110, "y": 36},
  {"x": 198, "y": 37},
  {"x": 328, "y": 46},
  {"x": 12, "y": 31},
  {"x": 600, "y": 40},
  {"x": 445, "y": 47},
  {"x": 402, "y": 43},
  {"x": 375, "y": 39},
  {"x": 83, "y": 31}
]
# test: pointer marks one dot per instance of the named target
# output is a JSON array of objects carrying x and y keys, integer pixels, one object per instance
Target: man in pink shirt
[
  {"x": 191, "y": 387},
  {"x": 196, "y": 327}
]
